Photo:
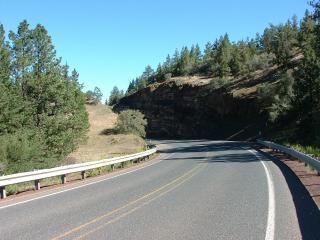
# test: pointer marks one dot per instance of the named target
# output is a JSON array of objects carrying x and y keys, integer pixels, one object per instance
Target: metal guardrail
[
  {"x": 62, "y": 171},
  {"x": 314, "y": 163}
]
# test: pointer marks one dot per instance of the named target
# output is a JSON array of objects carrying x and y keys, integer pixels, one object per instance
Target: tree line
[
  {"x": 295, "y": 101},
  {"x": 225, "y": 59},
  {"x": 42, "y": 107},
  {"x": 294, "y": 47}
]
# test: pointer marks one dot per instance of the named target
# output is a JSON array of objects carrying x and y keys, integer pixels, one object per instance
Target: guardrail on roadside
[
  {"x": 314, "y": 163},
  {"x": 36, "y": 176}
]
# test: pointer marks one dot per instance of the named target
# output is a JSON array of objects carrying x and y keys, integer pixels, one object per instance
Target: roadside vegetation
[
  {"x": 43, "y": 116},
  {"x": 103, "y": 138},
  {"x": 311, "y": 150},
  {"x": 131, "y": 122},
  {"x": 44, "y": 113}
]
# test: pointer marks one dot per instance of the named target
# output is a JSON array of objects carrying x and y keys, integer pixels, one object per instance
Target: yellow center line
[
  {"x": 138, "y": 207},
  {"x": 122, "y": 207}
]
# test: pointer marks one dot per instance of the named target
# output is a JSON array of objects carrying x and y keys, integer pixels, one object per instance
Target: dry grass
[
  {"x": 243, "y": 86},
  {"x": 100, "y": 145}
]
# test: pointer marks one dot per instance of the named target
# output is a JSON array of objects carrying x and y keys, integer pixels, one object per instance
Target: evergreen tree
[
  {"x": 167, "y": 65},
  {"x": 195, "y": 57},
  {"x": 175, "y": 63},
  {"x": 148, "y": 74},
  {"x": 184, "y": 64},
  {"x": 5, "y": 58},
  {"x": 224, "y": 56},
  {"x": 160, "y": 73},
  {"x": 307, "y": 85},
  {"x": 94, "y": 97},
  {"x": 22, "y": 55},
  {"x": 98, "y": 94},
  {"x": 115, "y": 96},
  {"x": 43, "y": 115},
  {"x": 131, "y": 87}
]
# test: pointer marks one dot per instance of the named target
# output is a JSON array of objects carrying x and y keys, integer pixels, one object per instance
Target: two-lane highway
[{"x": 196, "y": 189}]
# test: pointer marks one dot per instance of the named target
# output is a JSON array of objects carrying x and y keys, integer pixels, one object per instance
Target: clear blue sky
[{"x": 110, "y": 42}]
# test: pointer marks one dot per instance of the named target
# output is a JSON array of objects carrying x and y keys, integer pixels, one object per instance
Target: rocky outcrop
[{"x": 195, "y": 111}]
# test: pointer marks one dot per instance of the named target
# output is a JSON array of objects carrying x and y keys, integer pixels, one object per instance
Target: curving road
[{"x": 195, "y": 189}]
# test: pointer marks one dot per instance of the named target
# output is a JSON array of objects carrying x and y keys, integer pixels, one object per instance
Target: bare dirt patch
[{"x": 102, "y": 142}]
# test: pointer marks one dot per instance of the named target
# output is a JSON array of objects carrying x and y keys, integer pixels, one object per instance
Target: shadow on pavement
[
  {"x": 202, "y": 146},
  {"x": 307, "y": 211},
  {"x": 221, "y": 148}
]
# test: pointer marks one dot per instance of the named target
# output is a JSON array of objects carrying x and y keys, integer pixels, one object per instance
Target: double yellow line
[{"x": 171, "y": 186}]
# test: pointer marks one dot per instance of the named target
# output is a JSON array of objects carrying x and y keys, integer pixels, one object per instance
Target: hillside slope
[
  {"x": 101, "y": 143},
  {"x": 199, "y": 106}
]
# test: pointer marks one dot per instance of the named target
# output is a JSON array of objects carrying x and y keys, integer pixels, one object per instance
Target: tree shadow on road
[
  {"x": 205, "y": 146},
  {"x": 307, "y": 211},
  {"x": 223, "y": 152}
]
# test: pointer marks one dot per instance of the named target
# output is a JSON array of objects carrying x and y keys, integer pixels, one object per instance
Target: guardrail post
[
  {"x": 37, "y": 185},
  {"x": 83, "y": 175},
  {"x": 63, "y": 179},
  {"x": 112, "y": 167},
  {"x": 3, "y": 193}
]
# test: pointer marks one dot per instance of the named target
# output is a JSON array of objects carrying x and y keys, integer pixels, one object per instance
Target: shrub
[
  {"x": 167, "y": 76},
  {"x": 261, "y": 62},
  {"x": 22, "y": 151},
  {"x": 219, "y": 83},
  {"x": 131, "y": 121}
]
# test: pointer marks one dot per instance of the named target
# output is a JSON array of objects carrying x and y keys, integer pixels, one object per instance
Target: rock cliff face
[{"x": 183, "y": 110}]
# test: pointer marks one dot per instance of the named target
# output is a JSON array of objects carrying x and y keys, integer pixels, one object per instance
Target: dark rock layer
[{"x": 188, "y": 111}]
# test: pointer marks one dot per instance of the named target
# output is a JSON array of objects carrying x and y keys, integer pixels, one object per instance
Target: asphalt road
[{"x": 196, "y": 189}]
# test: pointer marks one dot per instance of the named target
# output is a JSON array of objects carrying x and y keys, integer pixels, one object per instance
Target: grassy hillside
[
  {"x": 101, "y": 141},
  {"x": 204, "y": 106}
]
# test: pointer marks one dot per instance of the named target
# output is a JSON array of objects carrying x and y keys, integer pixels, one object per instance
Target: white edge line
[
  {"x": 84, "y": 185},
  {"x": 271, "y": 201}
]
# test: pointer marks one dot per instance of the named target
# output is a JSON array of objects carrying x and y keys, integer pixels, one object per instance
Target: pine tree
[
  {"x": 167, "y": 65},
  {"x": 98, "y": 94},
  {"x": 148, "y": 74},
  {"x": 184, "y": 64},
  {"x": 22, "y": 55},
  {"x": 307, "y": 78},
  {"x": 195, "y": 58},
  {"x": 160, "y": 73},
  {"x": 208, "y": 52},
  {"x": 43, "y": 115},
  {"x": 131, "y": 88},
  {"x": 5, "y": 58},
  {"x": 224, "y": 56},
  {"x": 115, "y": 96},
  {"x": 175, "y": 63}
]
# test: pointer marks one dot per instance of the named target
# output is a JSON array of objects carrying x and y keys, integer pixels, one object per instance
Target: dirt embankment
[
  {"x": 202, "y": 107},
  {"x": 101, "y": 142}
]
